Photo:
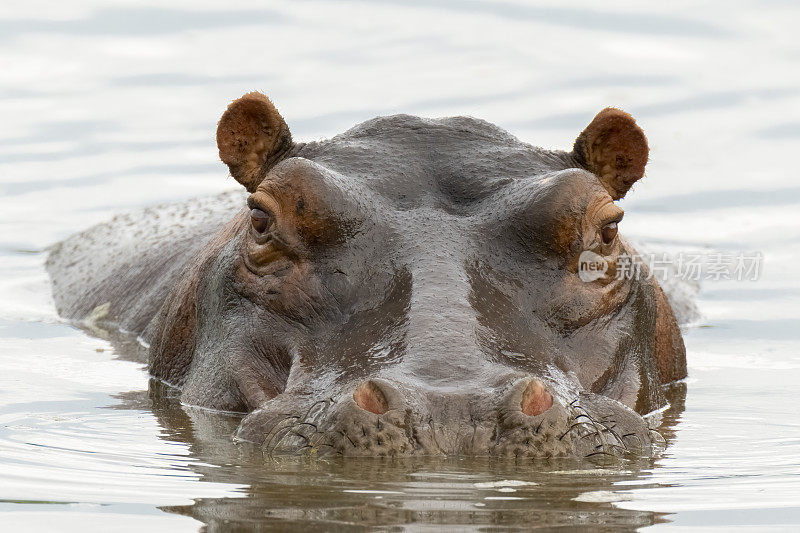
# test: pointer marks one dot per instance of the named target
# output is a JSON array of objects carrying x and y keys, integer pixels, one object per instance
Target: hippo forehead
[{"x": 447, "y": 163}]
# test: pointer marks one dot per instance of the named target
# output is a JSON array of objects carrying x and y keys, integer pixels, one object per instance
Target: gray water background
[{"x": 107, "y": 107}]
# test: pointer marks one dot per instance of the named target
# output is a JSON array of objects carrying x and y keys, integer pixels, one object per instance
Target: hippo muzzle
[{"x": 524, "y": 421}]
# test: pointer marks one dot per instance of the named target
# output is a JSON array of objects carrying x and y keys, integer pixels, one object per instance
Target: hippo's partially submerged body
[{"x": 410, "y": 286}]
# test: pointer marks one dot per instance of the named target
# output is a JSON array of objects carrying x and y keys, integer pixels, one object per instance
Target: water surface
[{"x": 107, "y": 108}]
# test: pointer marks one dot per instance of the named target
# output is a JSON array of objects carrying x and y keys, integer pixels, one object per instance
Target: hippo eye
[
  {"x": 260, "y": 219},
  {"x": 609, "y": 232}
]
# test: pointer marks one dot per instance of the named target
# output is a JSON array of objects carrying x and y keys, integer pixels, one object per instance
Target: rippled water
[{"x": 106, "y": 108}]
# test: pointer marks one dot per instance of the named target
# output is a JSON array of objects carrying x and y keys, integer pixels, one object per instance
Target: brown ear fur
[
  {"x": 615, "y": 149},
  {"x": 252, "y": 136}
]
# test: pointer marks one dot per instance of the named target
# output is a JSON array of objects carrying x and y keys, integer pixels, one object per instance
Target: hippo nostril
[
  {"x": 535, "y": 399},
  {"x": 370, "y": 397}
]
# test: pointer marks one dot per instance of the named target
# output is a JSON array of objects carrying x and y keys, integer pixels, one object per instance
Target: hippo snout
[{"x": 529, "y": 419}]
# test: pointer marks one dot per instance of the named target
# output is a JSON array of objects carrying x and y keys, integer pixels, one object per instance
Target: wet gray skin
[{"x": 411, "y": 286}]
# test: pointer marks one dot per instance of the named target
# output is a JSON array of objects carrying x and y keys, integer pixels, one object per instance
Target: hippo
[{"x": 411, "y": 286}]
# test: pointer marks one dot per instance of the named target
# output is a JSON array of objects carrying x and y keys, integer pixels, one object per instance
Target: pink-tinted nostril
[
  {"x": 535, "y": 398},
  {"x": 370, "y": 397}
]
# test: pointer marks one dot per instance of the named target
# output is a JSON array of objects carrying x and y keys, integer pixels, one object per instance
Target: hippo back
[{"x": 118, "y": 273}]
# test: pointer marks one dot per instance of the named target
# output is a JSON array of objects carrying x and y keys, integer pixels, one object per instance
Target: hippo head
[{"x": 417, "y": 286}]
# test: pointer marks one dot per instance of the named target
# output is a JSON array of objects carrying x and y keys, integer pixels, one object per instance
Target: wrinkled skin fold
[{"x": 411, "y": 286}]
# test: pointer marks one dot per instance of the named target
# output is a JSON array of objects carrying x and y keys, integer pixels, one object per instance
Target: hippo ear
[
  {"x": 615, "y": 149},
  {"x": 252, "y": 136}
]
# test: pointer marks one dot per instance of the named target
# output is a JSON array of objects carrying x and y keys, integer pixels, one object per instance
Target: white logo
[{"x": 591, "y": 266}]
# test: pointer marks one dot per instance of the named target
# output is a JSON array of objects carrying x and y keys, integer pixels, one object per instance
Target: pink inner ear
[
  {"x": 535, "y": 399},
  {"x": 370, "y": 398}
]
